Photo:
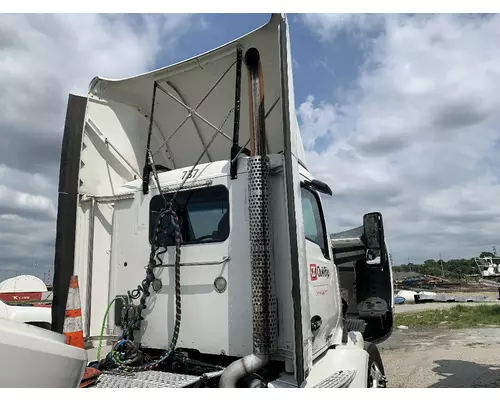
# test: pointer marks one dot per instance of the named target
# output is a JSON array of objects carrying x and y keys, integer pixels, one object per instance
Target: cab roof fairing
[{"x": 189, "y": 81}]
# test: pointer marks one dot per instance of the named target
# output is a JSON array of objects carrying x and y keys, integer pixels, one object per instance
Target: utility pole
[
  {"x": 409, "y": 263},
  {"x": 441, "y": 262}
]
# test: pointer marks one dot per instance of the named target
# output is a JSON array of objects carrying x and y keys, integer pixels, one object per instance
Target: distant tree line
[{"x": 458, "y": 268}]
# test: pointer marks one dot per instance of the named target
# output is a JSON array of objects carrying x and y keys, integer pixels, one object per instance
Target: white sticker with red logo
[
  {"x": 317, "y": 271},
  {"x": 314, "y": 272}
]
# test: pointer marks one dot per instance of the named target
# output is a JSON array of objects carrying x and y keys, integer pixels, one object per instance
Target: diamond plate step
[
  {"x": 339, "y": 379},
  {"x": 145, "y": 379}
]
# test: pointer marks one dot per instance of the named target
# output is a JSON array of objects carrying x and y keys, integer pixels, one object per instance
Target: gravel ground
[
  {"x": 437, "y": 358},
  {"x": 441, "y": 358}
]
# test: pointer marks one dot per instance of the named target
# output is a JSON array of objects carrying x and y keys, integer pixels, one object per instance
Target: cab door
[{"x": 324, "y": 296}]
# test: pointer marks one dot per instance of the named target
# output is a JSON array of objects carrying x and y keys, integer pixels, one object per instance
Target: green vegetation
[
  {"x": 458, "y": 317},
  {"x": 453, "y": 269}
]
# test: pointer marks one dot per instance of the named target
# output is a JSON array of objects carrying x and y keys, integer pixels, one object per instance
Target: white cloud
[
  {"x": 417, "y": 138},
  {"x": 316, "y": 122},
  {"x": 328, "y": 26},
  {"x": 42, "y": 59},
  {"x": 24, "y": 204}
]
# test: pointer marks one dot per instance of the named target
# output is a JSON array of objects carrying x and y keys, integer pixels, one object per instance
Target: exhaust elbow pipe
[{"x": 241, "y": 368}]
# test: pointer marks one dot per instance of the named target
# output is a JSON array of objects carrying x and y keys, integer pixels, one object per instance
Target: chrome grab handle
[{"x": 222, "y": 261}]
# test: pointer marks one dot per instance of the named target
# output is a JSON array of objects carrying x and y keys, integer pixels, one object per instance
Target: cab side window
[
  {"x": 314, "y": 224},
  {"x": 203, "y": 216}
]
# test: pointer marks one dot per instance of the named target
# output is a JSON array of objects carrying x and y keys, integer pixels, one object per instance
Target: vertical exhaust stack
[
  {"x": 263, "y": 300},
  {"x": 264, "y": 318}
]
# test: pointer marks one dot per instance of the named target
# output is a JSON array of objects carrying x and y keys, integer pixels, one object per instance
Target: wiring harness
[{"x": 124, "y": 352}]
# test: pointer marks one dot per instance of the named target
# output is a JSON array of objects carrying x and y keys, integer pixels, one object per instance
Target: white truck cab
[{"x": 188, "y": 212}]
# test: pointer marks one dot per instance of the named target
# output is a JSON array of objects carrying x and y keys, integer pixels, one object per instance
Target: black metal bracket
[
  {"x": 121, "y": 303},
  {"x": 147, "y": 168},
  {"x": 319, "y": 186}
]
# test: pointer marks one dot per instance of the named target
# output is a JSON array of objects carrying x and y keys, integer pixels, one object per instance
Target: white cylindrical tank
[{"x": 22, "y": 283}]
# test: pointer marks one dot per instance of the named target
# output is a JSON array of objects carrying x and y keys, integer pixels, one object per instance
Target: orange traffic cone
[{"x": 73, "y": 325}]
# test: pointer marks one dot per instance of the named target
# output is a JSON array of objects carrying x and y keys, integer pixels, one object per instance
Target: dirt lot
[
  {"x": 442, "y": 358},
  {"x": 437, "y": 357}
]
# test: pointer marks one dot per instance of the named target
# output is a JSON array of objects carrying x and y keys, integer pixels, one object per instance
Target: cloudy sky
[{"x": 398, "y": 114}]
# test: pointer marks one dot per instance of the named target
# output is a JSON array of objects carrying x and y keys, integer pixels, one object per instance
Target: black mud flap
[{"x": 67, "y": 204}]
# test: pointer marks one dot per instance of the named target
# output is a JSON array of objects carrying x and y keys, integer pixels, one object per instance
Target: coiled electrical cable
[{"x": 124, "y": 352}]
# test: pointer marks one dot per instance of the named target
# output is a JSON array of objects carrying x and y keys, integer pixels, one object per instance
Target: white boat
[
  {"x": 34, "y": 357},
  {"x": 37, "y": 316},
  {"x": 42, "y": 357},
  {"x": 489, "y": 267},
  {"x": 409, "y": 295}
]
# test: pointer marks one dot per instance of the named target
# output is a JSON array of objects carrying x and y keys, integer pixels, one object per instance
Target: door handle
[{"x": 316, "y": 322}]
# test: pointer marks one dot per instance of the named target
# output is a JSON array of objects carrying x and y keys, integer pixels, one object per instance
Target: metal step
[
  {"x": 339, "y": 379},
  {"x": 145, "y": 379}
]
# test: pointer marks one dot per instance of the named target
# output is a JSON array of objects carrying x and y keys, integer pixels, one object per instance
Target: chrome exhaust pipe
[{"x": 264, "y": 321}]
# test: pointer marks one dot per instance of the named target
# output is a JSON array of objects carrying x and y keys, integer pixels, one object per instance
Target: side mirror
[{"x": 373, "y": 230}]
